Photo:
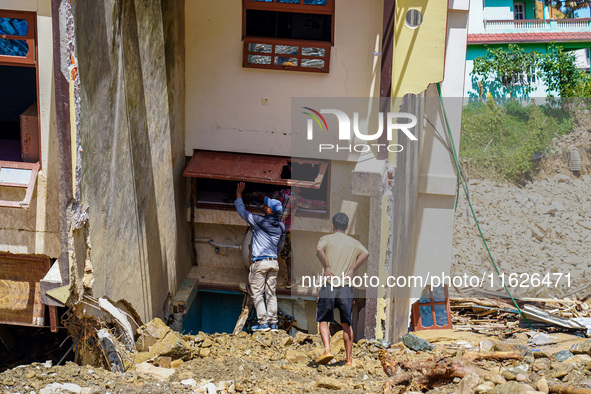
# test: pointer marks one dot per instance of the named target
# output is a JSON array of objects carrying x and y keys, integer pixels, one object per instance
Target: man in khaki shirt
[{"x": 340, "y": 255}]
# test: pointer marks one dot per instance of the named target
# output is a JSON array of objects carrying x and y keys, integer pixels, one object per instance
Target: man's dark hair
[{"x": 340, "y": 221}]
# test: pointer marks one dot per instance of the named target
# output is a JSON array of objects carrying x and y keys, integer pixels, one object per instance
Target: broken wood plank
[{"x": 247, "y": 305}]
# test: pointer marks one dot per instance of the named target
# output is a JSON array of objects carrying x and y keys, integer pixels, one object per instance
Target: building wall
[
  {"x": 498, "y": 9},
  {"x": 131, "y": 63},
  {"x": 36, "y": 230},
  {"x": 224, "y": 100}
]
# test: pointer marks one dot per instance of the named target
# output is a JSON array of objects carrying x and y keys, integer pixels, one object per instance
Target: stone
[
  {"x": 468, "y": 384},
  {"x": 542, "y": 385},
  {"x": 206, "y": 343},
  {"x": 578, "y": 361},
  {"x": 521, "y": 377},
  {"x": 210, "y": 388},
  {"x": 563, "y": 355},
  {"x": 512, "y": 388},
  {"x": 294, "y": 356},
  {"x": 286, "y": 340},
  {"x": 495, "y": 378},
  {"x": 583, "y": 347},
  {"x": 189, "y": 382},
  {"x": 541, "y": 364},
  {"x": 484, "y": 387},
  {"x": 329, "y": 383},
  {"x": 223, "y": 385},
  {"x": 337, "y": 343},
  {"x": 157, "y": 372},
  {"x": 176, "y": 363},
  {"x": 164, "y": 362},
  {"x": 71, "y": 388},
  {"x": 204, "y": 353},
  {"x": 150, "y": 333},
  {"x": 508, "y": 375},
  {"x": 415, "y": 343},
  {"x": 302, "y": 338}
]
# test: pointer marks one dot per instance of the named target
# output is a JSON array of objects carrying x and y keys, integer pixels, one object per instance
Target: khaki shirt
[{"x": 341, "y": 251}]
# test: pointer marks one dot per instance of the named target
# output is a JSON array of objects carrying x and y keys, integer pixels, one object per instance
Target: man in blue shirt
[{"x": 268, "y": 236}]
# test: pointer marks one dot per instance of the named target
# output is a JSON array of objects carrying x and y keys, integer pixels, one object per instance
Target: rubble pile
[
  {"x": 542, "y": 228},
  {"x": 441, "y": 361}
]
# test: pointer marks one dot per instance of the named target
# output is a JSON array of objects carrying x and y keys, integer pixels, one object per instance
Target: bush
[{"x": 505, "y": 141}]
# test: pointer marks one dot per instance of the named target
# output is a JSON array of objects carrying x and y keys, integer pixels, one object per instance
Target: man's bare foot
[
  {"x": 349, "y": 363},
  {"x": 325, "y": 358}
]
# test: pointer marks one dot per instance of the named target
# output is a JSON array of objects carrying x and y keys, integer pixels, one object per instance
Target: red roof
[{"x": 504, "y": 38}]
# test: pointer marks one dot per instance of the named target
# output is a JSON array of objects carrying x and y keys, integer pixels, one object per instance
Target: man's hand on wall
[{"x": 240, "y": 189}]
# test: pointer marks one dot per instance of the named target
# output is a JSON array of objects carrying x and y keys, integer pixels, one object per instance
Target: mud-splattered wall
[{"x": 131, "y": 64}]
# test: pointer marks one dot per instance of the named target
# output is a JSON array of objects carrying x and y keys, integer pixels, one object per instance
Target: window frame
[
  {"x": 274, "y": 5},
  {"x": 30, "y": 186},
  {"x": 522, "y": 12},
  {"x": 31, "y": 58},
  {"x": 23, "y": 61}
]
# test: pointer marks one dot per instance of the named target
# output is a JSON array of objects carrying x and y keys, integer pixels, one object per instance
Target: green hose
[{"x": 463, "y": 182}]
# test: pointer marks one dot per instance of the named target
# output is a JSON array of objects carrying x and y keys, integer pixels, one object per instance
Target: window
[
  {"x": 291, "y": 35},
  {"x": 519, "y": 10},
  {"x": 218, "y": 172},
  {"x": 19, "y": 119}
]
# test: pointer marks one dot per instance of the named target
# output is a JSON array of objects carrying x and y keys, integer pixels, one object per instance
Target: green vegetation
[
  {"x": 512, "y": 69},
  {"x": 508, "y": 66},
  {"x": 505, "y": 141}
]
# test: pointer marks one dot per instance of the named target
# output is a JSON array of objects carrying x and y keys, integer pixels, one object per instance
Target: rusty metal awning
[
  {"x": 254, "y": 168},
  {"x": 20, "y": 291}
]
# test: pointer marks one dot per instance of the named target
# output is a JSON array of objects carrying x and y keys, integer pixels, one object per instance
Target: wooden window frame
[
  {"x": 29, "y": 186},
  {"x": 274, "y": 5},
  {"x": 31, "y": 58},
  {"x": 23, "y": 61}
]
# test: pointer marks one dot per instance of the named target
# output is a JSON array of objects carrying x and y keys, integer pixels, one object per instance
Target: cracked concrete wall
[
  {"x": 36, "y": 230},
  {"x": 131, "y": 62}
]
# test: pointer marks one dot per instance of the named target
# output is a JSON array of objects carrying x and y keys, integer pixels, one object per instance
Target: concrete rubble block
[
  {"x": 468, "y": 384},
  {"x": 337, "y": 343},
  {"x": 293, "y": 356},
  {"x": 154, "y": 371},
  {"x": 173, "y": 346},
  {"x": 583, "y": 347},
  {"x": 512, "y": 388},
  {"x": 329, "y": 383},
  {"x": 302, "y": 338},
  {"x": 150, "y": 333}
]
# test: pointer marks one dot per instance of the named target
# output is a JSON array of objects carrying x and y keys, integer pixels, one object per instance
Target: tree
[
  {"x": 511, "y": 67},
  {"x": 559, "y": 72},
  {"x": 569, "y": 4}
]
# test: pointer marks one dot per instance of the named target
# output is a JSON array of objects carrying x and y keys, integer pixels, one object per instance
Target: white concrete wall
[
  {"x": 498, "y": 9},
  {"x": 224, "y": 101},
  {"x": 476, "y": 17}
]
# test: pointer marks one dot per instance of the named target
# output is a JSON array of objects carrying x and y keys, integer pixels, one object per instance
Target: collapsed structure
[{"x": 130, "y": 95}]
